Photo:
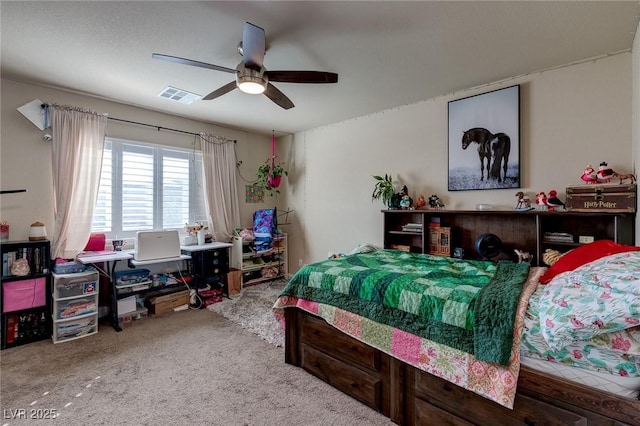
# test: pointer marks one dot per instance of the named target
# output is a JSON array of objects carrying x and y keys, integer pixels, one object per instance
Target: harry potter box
[{"x": 602, "y": 198}]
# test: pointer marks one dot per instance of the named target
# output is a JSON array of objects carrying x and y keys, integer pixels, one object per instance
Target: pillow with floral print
[{"x": 600, "y": 297}]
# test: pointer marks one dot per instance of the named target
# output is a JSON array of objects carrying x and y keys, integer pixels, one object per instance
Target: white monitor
[{"x": 153, "y": 245}]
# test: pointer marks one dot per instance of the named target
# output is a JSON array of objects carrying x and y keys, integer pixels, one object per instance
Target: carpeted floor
[{"x": 191, "y": 367}]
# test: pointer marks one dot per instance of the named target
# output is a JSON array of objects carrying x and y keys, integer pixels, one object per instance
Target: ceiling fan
[{"x": 251, "y": 75}]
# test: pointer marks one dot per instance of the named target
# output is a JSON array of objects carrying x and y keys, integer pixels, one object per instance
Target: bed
[{"x": 435, "y": 340}]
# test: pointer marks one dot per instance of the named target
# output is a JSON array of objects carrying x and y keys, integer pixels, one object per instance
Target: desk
[{"x": 110, "y": 261}]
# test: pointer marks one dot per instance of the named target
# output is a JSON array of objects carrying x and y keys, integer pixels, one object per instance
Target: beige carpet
[{"x": 192, "y": 367}]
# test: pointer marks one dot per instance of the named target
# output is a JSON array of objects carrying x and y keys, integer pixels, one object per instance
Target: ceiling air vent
[{"x": 179, "y": 95}]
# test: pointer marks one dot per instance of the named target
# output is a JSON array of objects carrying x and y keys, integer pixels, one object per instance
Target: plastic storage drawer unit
[
  {"x": 70, "y": 308},
  {"x": 74, "y": 328},
  {"x": 75, "y": 305},
  {"x": 71, "y": 285}
]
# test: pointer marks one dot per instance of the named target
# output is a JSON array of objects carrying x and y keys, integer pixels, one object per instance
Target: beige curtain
[
  {"x": 78, "y": 144},
  {"x": 221, "y": 190}
]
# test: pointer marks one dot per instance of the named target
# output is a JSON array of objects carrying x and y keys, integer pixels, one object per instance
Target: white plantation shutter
[
  {"x": 146, "y": 187},
  {"x": 102, "y": 213},
  {"x": 137, "y": 188}
]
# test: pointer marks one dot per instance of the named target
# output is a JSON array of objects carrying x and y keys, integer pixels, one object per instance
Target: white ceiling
[{"x": 387, "y": 53}]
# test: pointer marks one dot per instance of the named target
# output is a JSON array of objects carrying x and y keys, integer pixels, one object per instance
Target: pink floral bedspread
[{"x": 492, "y": 381}]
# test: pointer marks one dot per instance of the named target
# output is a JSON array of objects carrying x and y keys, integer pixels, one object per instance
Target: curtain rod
[
  {"x": 158, "y": 127},
  {"x": 149, "y": 125}
]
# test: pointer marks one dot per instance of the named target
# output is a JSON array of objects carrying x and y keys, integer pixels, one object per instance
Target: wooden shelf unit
[{"x": 517, "y": 230}]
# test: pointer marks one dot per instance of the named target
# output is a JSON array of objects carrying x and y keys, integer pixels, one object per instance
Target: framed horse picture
[{"x": 484, "y": 141}]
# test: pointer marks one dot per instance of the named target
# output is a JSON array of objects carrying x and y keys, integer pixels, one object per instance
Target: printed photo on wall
[{"x": 484, "y": 141}]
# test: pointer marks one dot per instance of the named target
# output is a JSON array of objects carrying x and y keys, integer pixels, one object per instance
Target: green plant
[
  {"x": 383, "y": 189},
  {"x": 269, "y": 175}
]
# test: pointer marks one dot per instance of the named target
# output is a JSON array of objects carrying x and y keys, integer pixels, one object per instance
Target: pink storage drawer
[{"x": 24, "y": 294}]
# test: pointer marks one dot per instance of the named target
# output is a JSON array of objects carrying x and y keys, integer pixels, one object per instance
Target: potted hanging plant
[
  {"x": 384, "y": 190},
  {"x": 270, "y": 174}
]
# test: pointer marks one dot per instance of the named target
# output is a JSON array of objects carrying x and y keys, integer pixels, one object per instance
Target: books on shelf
[
  {"x": 412, "y": 227},
  {"x": 557, "y": 237}
]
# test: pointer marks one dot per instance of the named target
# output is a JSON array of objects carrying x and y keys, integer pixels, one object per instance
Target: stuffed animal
[
  {"x": 605, "y": 173},
  {"x": 541, "y": 200},
  {"x": 551, "y": 256},
  {"x": 589, "y": 175},
  {"x": 435, "y": 202},
  {"x": 553, "y": 201}
]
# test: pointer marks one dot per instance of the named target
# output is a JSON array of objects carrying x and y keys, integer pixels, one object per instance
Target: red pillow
[{"x": 584, "y": 254}]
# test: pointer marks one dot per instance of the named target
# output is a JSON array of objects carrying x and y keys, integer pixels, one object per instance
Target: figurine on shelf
[
  {"x": 622, "y": 177},
  {"x": 405, "y": 200},
  {"x": 605, "y": 173},
  {"x": 421, "y": 202},
  {"x": 589, "y": 175},
  {"x": 435, "y": 202},
  {"x": 523, "y": 203},
  {"x": 541, "y": 200},
  {"x": 553, "y": 201}
]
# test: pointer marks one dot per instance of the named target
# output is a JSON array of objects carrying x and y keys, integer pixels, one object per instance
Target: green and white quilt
[{"x": 465, "y": 304}]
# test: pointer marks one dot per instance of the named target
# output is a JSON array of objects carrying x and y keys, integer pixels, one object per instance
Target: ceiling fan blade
[
  {"x": 302, "y": 76},
  {"x": 253, "y": 46},
  {"x": 278, "y": 97},
  {"x": 221, "y": 91},
  {"x": 192, "y": 63}
]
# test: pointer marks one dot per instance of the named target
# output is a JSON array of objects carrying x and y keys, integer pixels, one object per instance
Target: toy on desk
[
  {"x": 435, "y": 202},
  {"x": 541, "y": 200},
  {"x": 604, "y": 173},
  {"x": 421, "y": 201},
  {"x": 553, "y": 201},
  {"x": 589, "y": 175},
  {"x": 523, "y": 202}
]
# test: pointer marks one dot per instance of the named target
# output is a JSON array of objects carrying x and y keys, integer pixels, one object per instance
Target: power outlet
[{"x": 300, "y": 263}]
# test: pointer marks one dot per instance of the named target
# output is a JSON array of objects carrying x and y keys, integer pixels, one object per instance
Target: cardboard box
[
  {"x": 234, "y": 282},
  {"x": 602, "y": 198},
  {"x": 162, "y": 303}
]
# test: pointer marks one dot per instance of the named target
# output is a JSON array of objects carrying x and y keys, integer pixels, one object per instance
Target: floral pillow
[{"x": 600, "y": 297}]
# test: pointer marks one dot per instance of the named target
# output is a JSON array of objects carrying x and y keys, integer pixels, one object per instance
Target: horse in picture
[
  {"x": 483, "y": 138},
  {"x": 493, "y": 151},
  {"x": 500, "y": 149}
]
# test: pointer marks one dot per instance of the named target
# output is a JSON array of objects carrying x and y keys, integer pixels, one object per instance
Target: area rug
[{"x": 252, "y": 310}]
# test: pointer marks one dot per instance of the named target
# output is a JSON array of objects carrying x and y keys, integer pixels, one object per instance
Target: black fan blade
[
  {"x": 221, "y": 91},
  {"x": 302, "y": 76},
  {"x": 192, "y": 63},
  {"x": 278, "y": 97},
  {"x": 253, "y": 46}
]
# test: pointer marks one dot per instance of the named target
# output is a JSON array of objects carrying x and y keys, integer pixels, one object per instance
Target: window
[{"x": 147, "y": 187}]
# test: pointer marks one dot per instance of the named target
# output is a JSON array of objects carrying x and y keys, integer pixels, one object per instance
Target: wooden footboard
[{"x": 412, "y": 397}]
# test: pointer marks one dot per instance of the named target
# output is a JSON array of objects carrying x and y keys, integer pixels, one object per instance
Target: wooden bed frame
[{"x": 409, "y": 396}]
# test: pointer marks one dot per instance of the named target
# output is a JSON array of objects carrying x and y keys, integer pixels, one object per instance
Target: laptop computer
[{"x": 154, "y": 245}]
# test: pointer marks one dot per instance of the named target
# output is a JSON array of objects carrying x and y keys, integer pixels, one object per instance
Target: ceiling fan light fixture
[
  {"x": 252, "y": 85},
  {"x": 253, "y": 82}
]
